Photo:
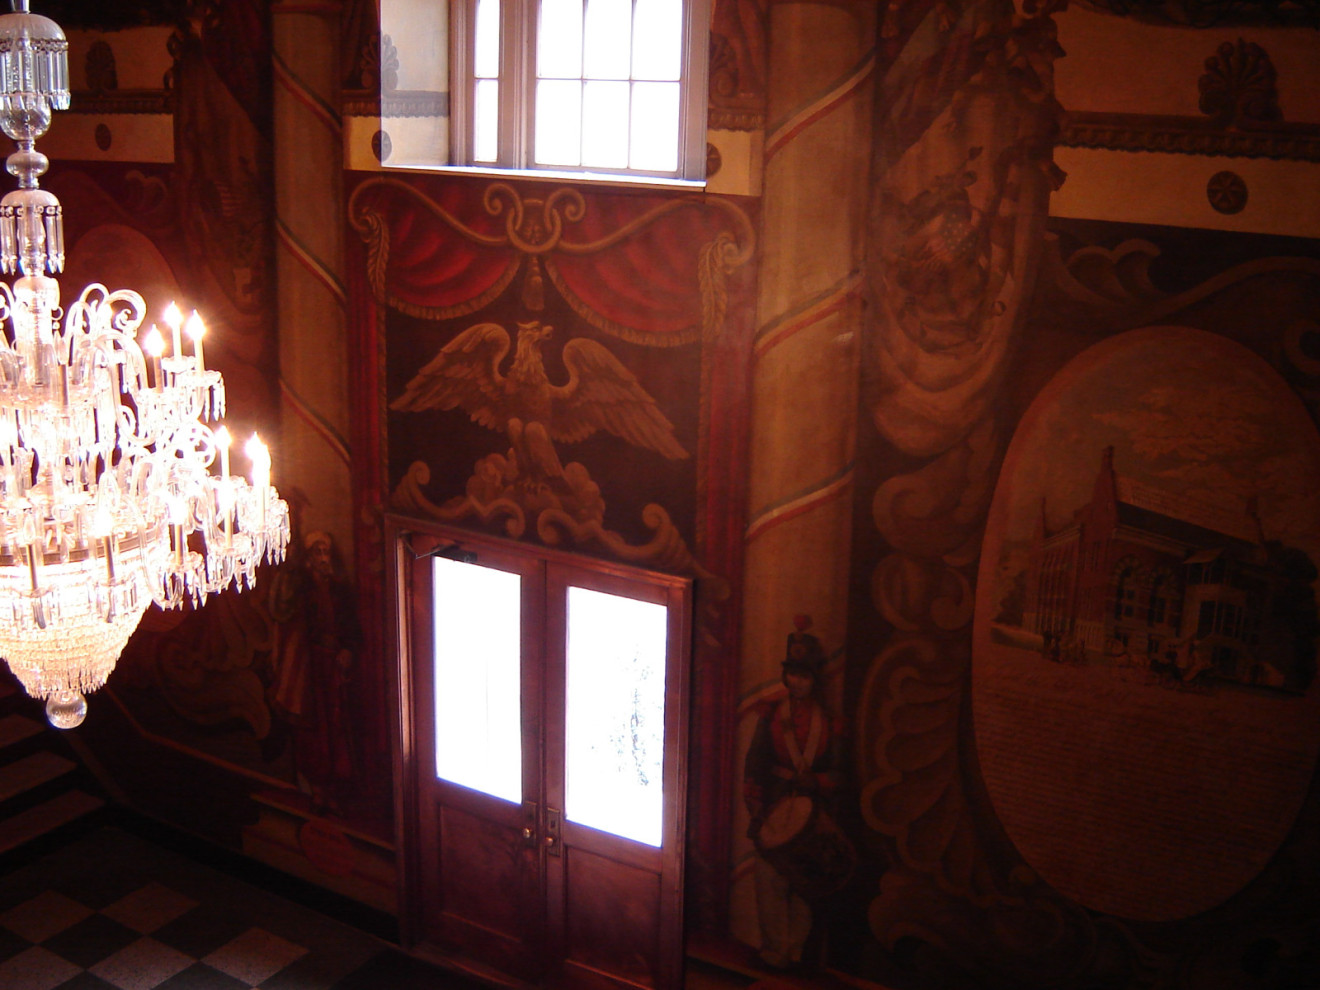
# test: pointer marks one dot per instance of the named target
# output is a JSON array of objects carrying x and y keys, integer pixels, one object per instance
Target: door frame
[{"x": 402, "y": 556}]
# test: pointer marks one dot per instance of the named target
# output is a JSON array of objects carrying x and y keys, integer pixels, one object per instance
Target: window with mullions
[{"x": 613, "y": 86}]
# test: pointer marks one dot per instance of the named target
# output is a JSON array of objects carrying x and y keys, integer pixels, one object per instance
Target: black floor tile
[
  {"x": 86, "y": 981},
  {"x": 398, "y": 971},
  {"x": 91, "y": 940},
  {"x": 200, "y": 976},
  {"x": 95, "y": 885},
  {"x": 11, "y": 945},
  {"x": 311, "y": 972},
  {"x": 202, "y": 930}
]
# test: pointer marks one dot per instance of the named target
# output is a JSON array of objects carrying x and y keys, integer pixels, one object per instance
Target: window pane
[
  {"x": 605, "y": 124},
  {"x": 615, "y": 714},
  {"x": 486, "y": 58},
  {"x": 478, "y": 650},
  {"x": 657, "y": 39},
  {"x": 559, "y": 40},
  {"x": 655, "y": 127},
  {"x": 558, "y": 122},
  {"x": 486, "y": 121},
  {"x": 608, "y": 39}
]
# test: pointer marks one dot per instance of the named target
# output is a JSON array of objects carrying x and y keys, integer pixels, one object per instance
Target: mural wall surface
[
  {"x": 569, "y": 367},
  {"x": 1103, "y": 773},
  {"x": 259, "y": 719},
  {"x": 1072, "y": 734},
  {"x": 1081, "y": 656}
]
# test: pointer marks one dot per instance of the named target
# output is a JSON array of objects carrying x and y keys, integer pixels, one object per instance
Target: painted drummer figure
[{"x": 792, "y": 774}]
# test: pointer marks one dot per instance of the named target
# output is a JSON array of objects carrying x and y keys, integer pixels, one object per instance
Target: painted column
[
  {"x": 805, "y": 364},
  {"x": 309, "y": 224}
]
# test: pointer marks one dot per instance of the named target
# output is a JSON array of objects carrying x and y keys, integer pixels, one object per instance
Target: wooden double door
[{"x": 544, "y": 733}]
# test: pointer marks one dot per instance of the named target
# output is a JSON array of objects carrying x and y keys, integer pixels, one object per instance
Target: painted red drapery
[{"x": 647, "y": 268}]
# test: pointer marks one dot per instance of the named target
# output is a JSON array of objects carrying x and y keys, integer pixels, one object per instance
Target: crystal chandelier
[{"x": 107, "y": 497}]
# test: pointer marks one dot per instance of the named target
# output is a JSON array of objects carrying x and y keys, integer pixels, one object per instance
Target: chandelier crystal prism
[{"x": 108, "y": 497}]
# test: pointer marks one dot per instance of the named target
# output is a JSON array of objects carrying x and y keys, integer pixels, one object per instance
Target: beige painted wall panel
[
  {"x": 1144, "y": 187},
  {"x": 134, "y": 137},
  {"x": 358, "y": 132},
  {"x": 1122, "y": 66},
  {"x": 740, "y": 162}
]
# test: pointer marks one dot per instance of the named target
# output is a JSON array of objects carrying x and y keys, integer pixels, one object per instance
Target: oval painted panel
[{"x": 1145, "y": 699}]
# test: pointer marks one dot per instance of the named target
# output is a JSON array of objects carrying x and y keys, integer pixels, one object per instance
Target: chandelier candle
[
  {"x": 107, "y": 497},
  {"x": 196, "y": 331}
]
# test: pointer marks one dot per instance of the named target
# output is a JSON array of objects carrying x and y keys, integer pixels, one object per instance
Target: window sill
[{"x": 612, "y": 179}]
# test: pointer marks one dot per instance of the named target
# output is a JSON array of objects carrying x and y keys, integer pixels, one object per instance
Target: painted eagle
[{"x": 600, "y": 394}]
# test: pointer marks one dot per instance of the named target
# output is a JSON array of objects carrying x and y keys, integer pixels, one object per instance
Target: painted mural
[
  {"x": 597, "y": 319},
  {"x": 571, "y": 366},
  {"x": 262, "y": 686},
  {"x": 197, "y": 232},
  {"x": 1144, "y": 652},
  {"x": 568, "y": 366},
  {"x": 1119, "y": 731}
]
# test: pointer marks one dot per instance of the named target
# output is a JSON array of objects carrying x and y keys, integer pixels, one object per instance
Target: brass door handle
[
  {"x": 552, "y": 823},
  {"x": 530, "y": 814}
]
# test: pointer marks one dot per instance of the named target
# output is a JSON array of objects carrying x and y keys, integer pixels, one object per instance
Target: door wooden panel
[
  {"x": 607, "y": 904},
  {"x": 486, "y": 883},
  {"x": 521, "y": 887}
]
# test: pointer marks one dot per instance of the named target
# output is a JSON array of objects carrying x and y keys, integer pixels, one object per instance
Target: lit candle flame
[
  {"x": 259, "y": 454},
  {"x": 155, "y": 346},
  {"x": 196, "y": 330}
]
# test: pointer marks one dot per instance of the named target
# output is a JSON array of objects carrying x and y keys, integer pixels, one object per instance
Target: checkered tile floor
[
  {"x": 114, "y": 912},
  {"x": 153, "y": 938}
]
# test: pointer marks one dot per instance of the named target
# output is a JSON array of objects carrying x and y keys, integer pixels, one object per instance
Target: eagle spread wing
[
  {"x": 601, "y": 394},
  {"x": 465, "y": 374}
]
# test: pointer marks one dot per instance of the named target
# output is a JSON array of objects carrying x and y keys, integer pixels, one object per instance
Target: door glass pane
[
  {"x": 478, "y": 650},
  {"x": 615, "y": 714}
]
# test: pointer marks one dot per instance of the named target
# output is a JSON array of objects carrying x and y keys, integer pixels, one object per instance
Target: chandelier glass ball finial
[
  {"x": 115, "y": 484},
  {"x": 66, "y": 709}
]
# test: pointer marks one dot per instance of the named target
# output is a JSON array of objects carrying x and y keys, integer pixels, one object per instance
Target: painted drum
[{"x": 805, "y": 845}]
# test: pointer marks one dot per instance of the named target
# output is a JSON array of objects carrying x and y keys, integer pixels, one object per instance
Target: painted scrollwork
[{"x": 957, "y": 233}]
